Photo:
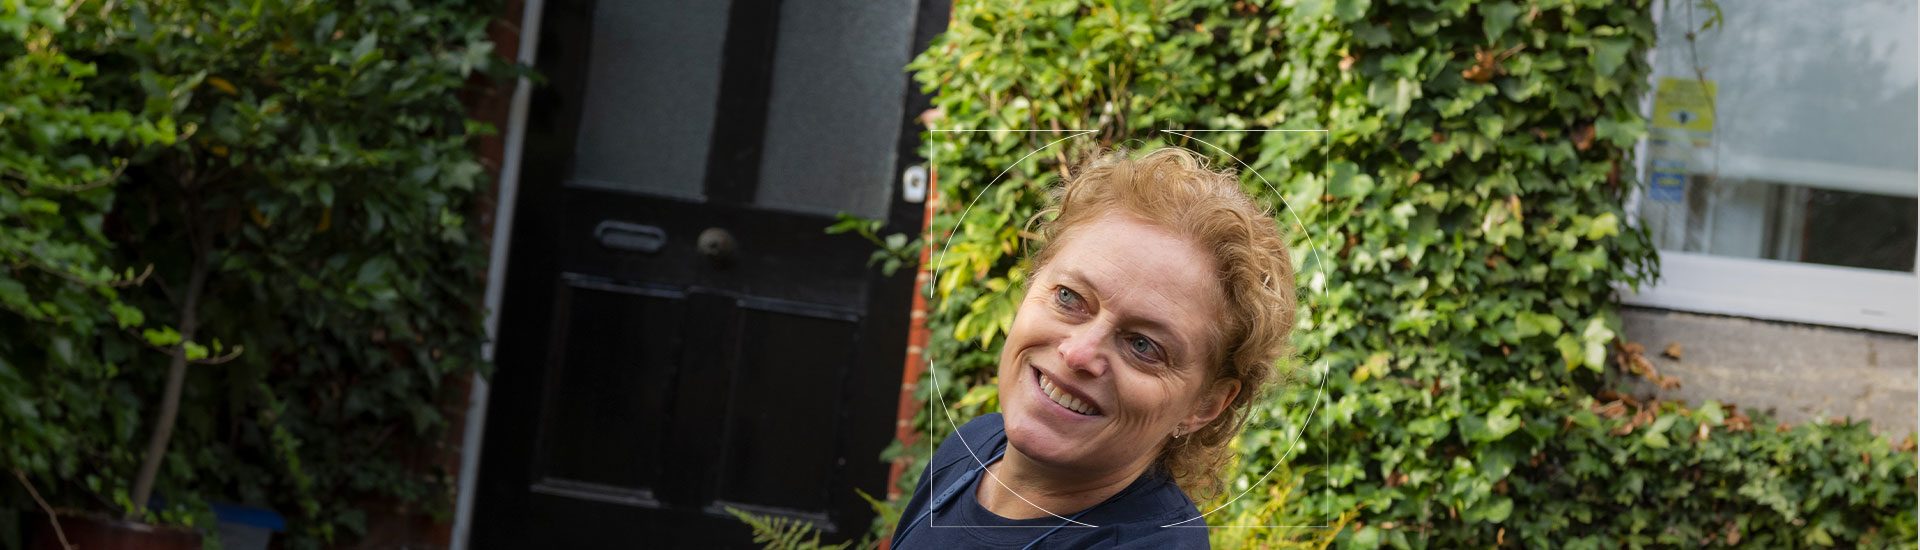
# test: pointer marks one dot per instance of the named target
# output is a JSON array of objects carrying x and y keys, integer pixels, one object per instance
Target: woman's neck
[{"x": 1042, "y": 489}]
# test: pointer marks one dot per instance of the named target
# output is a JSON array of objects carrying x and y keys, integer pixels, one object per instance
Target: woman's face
[{"x": 1109, "y": 349}]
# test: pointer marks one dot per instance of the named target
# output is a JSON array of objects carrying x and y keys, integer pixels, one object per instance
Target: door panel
[
  {"x": 610, "y": 389},
  {"x": 775, "y": 455}
]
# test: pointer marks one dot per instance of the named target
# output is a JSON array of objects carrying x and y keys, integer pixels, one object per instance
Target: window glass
[
  {"x": 1787, "y": 132},
  {"x": 1777, "y": 221},
  {"x": 833, "y": 123},
  {"x": 652, "y": 77}
]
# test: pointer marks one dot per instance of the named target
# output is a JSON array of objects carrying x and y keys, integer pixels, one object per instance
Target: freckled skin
[{"x": 1087, "y": 321}]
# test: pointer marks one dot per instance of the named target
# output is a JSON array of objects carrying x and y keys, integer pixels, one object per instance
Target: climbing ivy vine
[{"x": 1460, "y": 235}]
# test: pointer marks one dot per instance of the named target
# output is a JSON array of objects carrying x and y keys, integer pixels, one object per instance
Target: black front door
[{"x": 679, "y": 335}]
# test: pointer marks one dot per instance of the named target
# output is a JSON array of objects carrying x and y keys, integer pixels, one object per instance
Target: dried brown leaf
[
  {"x": 1486, "y": 64},
  {"x": 1640, "y": 418},
  {"x": 1612, "y": 410},
  {"x": 1739, "y": 422},
  {"x": 1583, "y": 137},
  {"x": 1644, "y": 368},
  {"x": 1624, "y": 429},
  {"x": 1669, "y": 382}
]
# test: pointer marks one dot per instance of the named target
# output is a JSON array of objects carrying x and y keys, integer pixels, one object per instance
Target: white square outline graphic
[{"x": 1306, "y": 423}]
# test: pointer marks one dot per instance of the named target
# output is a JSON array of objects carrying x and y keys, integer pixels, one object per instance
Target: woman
[{"x": 1157, "y": 306}]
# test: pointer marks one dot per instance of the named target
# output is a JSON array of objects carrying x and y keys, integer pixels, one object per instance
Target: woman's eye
[
  {"x": 1066, "y": 297},
  {"x": 1144, "y": 348}
]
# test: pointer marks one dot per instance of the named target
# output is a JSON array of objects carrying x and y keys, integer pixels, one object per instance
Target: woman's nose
[{"x": 1081, "y": 350}]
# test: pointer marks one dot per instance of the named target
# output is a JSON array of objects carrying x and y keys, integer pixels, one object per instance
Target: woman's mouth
[{"x": 1062, "y": 398}]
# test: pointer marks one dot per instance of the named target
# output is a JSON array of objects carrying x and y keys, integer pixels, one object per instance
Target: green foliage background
[
  {"x": 316, "y": 158},
  {"x": 1463, "y": 228}
]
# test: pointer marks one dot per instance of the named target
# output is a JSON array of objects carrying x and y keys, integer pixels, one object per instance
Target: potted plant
[
  {"x": 63, "y": 400},
  {"x": 71, "y": 374}
]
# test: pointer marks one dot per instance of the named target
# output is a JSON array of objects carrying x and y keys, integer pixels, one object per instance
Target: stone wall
[{"x": 1800, "y": 372}]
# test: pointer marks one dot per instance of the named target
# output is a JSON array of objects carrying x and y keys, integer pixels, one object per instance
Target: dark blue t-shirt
[{"x": 1131, "y": 518}]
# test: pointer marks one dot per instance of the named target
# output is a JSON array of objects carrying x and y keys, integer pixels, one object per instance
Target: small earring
[{"x": 1177, "y": 430}]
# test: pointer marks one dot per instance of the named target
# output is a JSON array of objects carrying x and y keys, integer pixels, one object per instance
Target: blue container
[{"x": 246, "y": 528}]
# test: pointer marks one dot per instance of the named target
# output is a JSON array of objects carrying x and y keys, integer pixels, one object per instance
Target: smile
[{"x": 1064, "y": 399}]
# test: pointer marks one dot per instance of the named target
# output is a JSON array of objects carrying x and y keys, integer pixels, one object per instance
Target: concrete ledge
[{"x": 1798, "y": 372}]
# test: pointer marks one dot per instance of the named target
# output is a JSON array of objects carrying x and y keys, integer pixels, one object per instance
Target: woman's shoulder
[{"x": 980, "y": 437}]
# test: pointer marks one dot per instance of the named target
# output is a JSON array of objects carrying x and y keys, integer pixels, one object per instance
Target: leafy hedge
[
  {"x": 1463, "y": 228},
  {"x": 303, "y": 168}
]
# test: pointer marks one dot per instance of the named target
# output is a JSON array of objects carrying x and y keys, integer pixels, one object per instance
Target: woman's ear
[{"x": 1213, "y": 402}]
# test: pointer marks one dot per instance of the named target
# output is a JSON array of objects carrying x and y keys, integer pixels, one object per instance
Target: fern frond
[{"x": 782, "y": 533}]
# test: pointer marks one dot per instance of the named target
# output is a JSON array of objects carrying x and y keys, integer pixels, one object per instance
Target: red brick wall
[
  {"x": 916, "y": 361},
  {"x": 390, "y": 524},
  {"x": 917, "y": 334}
]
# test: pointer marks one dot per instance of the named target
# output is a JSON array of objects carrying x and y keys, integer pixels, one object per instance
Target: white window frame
[
  {"x": 1870, "y": 299},
  {"x": 1782, "y": 291}
]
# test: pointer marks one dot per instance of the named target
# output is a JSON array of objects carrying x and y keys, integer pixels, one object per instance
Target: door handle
[
  {"x": 631, "y": 237},
  {"x": 717, "y": 245}
]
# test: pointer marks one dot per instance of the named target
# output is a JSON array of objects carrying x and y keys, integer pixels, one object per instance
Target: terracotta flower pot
[{"x": 96, "y": 532}]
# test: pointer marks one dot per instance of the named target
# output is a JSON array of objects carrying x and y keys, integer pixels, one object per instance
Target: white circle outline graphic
[{"x": 932, "y": 288}]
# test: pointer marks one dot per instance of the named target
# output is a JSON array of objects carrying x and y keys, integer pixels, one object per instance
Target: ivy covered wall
[{"x": 1461, "y": 233}]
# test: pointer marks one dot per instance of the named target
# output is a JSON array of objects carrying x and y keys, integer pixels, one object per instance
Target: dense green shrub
[
  {"x": 305, "y": 169},
  {"x": 1463, "y": 230}
]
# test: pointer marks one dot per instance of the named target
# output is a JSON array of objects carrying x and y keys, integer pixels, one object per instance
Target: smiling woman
[{"x": 1159, "y": 301}]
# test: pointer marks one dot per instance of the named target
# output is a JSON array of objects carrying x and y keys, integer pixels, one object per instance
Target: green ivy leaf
[
  {"x": 1710, "y": 413},
  {"x": 1604, "y": 225},
  {"x": 1346, "y": 181},
  {"x": 1350, "y": 10},
  {"x": 1495, "y": 510},
  {"x": 1395, "y": 96},
  {"x": 1609, "y": 53},
  {"x": 1496, "y": 18}
]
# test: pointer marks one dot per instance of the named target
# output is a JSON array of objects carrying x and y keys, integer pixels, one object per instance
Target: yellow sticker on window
[{"x": 1683, "y": 110}]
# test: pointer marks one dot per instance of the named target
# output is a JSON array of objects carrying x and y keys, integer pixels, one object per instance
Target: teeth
[{"x": 1065, "y": 399}]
